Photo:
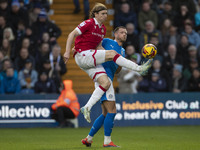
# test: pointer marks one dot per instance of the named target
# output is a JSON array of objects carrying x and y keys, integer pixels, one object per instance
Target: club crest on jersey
[{"x": 110, "y": 96}]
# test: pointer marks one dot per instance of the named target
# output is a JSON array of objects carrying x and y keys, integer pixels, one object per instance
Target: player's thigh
[
  {"x": 95, "y": 72},
  {"x": 90, "y": 58}
]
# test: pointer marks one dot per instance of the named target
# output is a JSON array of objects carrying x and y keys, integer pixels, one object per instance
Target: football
[{"x": 149, "y": 51}]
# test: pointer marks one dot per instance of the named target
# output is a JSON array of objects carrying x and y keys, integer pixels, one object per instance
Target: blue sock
[
  {"x": 109, "y": 123},
  {"x": 97, "y": 125}
]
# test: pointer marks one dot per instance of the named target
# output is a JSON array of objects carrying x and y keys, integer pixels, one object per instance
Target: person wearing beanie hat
[
  {"x": 15, "y": 3},
  {"x": 42, "y": 14},
  {"x": 42, "y": 25}
]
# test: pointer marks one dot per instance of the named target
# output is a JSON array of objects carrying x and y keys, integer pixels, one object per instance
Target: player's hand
[{"x": 66, "y": 57}]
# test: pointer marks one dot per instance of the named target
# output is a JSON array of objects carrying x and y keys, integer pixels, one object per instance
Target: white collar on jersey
[{"x": 96, "y": 22}]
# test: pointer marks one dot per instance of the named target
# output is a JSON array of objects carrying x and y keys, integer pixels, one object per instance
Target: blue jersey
[{"x": 110, "y": 66}]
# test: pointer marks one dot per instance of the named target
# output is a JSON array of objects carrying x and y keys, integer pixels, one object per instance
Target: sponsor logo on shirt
[{"x": 97, "y": 34}]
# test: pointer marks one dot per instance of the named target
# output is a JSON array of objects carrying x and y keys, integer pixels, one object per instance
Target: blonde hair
[
  {"x": 97, "y": 8},
  {"x": 12, "y": 37}
]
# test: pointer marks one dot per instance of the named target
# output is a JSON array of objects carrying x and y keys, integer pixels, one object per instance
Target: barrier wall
[{"x": 144, "y": 109}]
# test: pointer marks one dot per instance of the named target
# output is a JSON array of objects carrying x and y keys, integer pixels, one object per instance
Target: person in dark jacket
[
  {"x": 44, "y": 84},
  {"x": 44, "y": 25},
  {"x": 21, "y": 59}
]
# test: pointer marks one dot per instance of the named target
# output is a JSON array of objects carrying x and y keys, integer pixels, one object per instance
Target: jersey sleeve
[
  {"x": 83, "y": 26},
  {"x": 123, "y": 50}
]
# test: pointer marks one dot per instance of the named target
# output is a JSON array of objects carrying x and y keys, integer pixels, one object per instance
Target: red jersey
[{"x": 91, "y": 34}]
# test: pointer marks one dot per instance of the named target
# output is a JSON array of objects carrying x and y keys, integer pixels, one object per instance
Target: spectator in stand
[
  {"x": 7, "y": 63},
  {"x": 44, "y": 4},
  {"x": 21, "y": 59},
  {"x": 193, "y": 64},
  {"x": 21, "y": 30},
  {"x": 10, "y": 84},
  {"x": 194, "y": 82},
  {"x": 44, "y": 25},
  {"x": 86, "y": 8},
  {"x": 167, "y": 13},
  {"x": 8, "y": 34},
  {"x": 6, "y": 49},
  {"x": 154, "y": 84},
  {"x": 130, "y": 50},
  {"x": 33, "y": 41},
  {"x": 42, "y": 55},
  {"x": 46, "y": 39},
  {"x": 181, "y": 17},
  {"x": 56, "y": 60},
  {"x": 165, "y": 31},
  {"x": 179, "y": 83},
  {"x": 193, "y": 55},
  {"x": 132, "y": 36},
  {"x": 34, "y": 12},
  {"x": 157, "y": 67},
  {"x": 28, "y": 77},
  {"x": 149, "y": 31},
  {"x": 173, "y": 35},
  {"x": 4, "y": 8},
  {"x": 2, "y": 57},
  {"x": 188, "y": 3},
  {"x": 171, "y": 59},
  {"x": 182, "y": 48},
  {"x": 27, "y": 44},
  {"x": 197, "y": 17},
  {"x": 155, "y": 41},
  {"x": 52, "y": 74},
  {"x": 193, "y": 36},
  {"x": 3, "y": 26},
  {"x": 128, "y": 79},
  {"x": 147, "y": 14},
  {"x": 44, "y": 84},
  {"x": 125, "y": 16},
  {"x": 117, "y": 4},
  {"x": 18, "y": 14},
  {"x": 66, "y": 106}
]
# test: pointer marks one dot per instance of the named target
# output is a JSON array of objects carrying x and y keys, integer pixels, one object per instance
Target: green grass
[{"x": 129, "y": 138}]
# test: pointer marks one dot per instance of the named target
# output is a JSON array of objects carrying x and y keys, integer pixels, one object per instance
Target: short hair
[
  {"x": 120, "y": 27},
  {"x": 97, "y": 8}
]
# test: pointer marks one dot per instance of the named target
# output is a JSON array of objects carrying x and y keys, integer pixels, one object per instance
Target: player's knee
[
  {"x": 106, "y": 84},
  {"x": 110, "y": 54}
]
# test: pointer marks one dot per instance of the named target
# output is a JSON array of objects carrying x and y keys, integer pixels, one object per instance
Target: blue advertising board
[
  {"x": 152, "y": 109},
  {"x": 143, "y": 109}
]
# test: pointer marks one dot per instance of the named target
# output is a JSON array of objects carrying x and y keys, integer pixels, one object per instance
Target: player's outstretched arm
[{"x": 70, "y": 40}]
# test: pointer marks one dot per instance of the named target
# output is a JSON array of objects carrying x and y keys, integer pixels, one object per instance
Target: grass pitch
[{"x": 129, "y": 138}]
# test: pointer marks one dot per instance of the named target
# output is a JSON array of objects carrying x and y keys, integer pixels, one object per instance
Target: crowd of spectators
[
  {"x": 30, "y": 57},
  {"x": 173, "y": 26}
]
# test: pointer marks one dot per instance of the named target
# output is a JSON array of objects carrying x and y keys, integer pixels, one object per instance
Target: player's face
[
  {"x": 101, "y": 16},
  {"x": 121, "y": 35}
]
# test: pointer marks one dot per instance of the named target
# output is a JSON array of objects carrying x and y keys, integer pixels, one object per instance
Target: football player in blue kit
[{"x": 108, "y": 104}]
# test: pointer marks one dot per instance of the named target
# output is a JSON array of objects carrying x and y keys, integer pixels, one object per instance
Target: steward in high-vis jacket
[{"x": 67, "y": 105}]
